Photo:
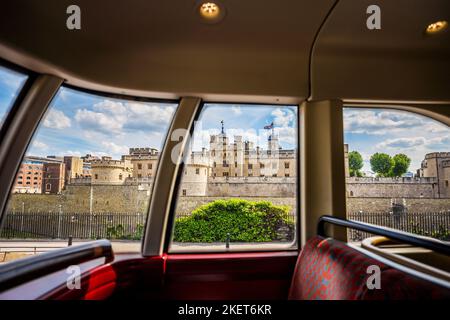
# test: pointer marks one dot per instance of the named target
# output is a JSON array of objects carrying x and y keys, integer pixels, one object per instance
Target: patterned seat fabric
[{"x": 329, "y": 269}]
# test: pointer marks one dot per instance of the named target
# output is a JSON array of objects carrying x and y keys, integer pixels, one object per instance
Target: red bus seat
[{"x": 330, "y": 269}]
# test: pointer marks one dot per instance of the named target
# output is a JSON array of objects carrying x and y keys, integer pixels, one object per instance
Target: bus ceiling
[{"x": 278, "y": 51}]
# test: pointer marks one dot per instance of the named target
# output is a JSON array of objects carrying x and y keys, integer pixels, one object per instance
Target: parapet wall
[{"x": 251, "y": 187}]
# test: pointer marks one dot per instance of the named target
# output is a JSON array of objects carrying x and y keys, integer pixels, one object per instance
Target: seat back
[{"x": 330, "y": 269}]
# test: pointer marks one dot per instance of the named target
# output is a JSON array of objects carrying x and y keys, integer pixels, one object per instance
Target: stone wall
[
  {"x": 385, "y": 204},
  {"x": 113, "y": 198},
  {"x": 134, "y": 198},
  {"x": 252, "y": 187}
]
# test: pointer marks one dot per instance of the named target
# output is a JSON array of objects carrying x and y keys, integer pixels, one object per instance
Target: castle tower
[{"x": 437, "y": 164}]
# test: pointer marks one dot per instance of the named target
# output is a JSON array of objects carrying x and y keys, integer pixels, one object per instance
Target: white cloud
[
  {"x": 114, "y": 149},
  {"x": 39, "y": 145},
  {"x": 117, "y": 117},
  {"x": 379, "y": 123},
  {"x": 56, "y": 119},
  {"x": 282, "y": 118},
  {"x": 404, "y": 143},
  {"x": 236, "y": 110}
]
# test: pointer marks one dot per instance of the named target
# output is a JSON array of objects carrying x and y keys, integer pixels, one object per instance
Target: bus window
[
  {"x": 239, "y": 189},
  {"x": 88, "y": 173},
  {"x": 397, "y": 171}
]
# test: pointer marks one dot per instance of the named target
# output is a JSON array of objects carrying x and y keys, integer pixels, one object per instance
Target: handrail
[
  {"x": 20, "y": 271},
  {"x": 397, "y": 235}
]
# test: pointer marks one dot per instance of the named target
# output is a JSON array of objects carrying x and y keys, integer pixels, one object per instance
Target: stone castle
[{"x": 225, "y": 169}]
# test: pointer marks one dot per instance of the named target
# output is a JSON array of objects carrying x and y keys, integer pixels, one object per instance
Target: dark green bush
[{"x": 245, "y": 221}]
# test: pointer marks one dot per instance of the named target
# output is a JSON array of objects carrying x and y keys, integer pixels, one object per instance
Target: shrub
[
  {"x": 245, "y": 221},
  {"x": 118, "y": 232}
]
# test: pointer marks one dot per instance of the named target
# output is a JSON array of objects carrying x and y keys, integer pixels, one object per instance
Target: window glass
[
  {"x": 87, "y": 173},
  {"x": 11, "y": 83},
  {"x": 238, "y": 190},
  {"x": 397, "y": 171}
]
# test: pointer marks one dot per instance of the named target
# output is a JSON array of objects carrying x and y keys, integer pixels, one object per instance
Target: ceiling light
[
  {"x": 209, "y": 10},
  {"x": 436, "y": 27}
]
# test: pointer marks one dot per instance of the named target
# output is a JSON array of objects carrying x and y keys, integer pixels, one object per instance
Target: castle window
[
  {"x": 446, "y": 183},
  {"x": 286, "y": 175},
  {"x": 184, "y": 192},
  {"x": 250, "y": 166},
  {"x": 48, "y": 187},
  {"x": 197, "y": 171},
  {"x": 120, "y": 177},
  {"x": 351, "y": 193},
  {"x": 139, "y": 175},
  {"x": 96, "y": 176},
  {"x": 261, "y": 165},
  {"x": 149, "y": 166},
  {"x": 286, "y": 165},
  {"x": 139, "y": 166}
]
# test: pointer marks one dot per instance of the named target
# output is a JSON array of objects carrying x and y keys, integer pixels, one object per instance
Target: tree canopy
[
  {"x": 355, "y": 163},
  {"x": 381, "y": 163},
  {"x": 401, "y": 165},
  {"x": 386, "y": 166}
]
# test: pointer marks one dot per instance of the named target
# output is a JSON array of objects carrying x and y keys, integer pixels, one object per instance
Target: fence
[
  {"x": 130, "y": 225},
  {"x": 432, "y": 224},
  {"x": 77, "y": 225}
]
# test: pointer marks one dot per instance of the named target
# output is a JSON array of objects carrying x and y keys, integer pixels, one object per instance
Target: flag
[{"x": 270, "y": 126}]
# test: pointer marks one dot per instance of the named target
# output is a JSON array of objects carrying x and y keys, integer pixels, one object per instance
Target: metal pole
[
  {"x": 59, "y": 221},
  {"x": 90, "y": 210},
  {"x": 21, "y": 218}
]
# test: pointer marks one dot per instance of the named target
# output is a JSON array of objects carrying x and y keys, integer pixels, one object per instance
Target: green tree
[
  {"x": 355, "y": 163},
  {"x": 400, "y": 166},
  {"x": 381, "y": 163}
]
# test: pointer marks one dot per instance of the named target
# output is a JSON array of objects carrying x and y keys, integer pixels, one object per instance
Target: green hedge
[{"x": 245, "y": 221}]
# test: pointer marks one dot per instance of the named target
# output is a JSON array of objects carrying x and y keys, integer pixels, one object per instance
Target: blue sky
[
  {"x": 392, "y": 131},
  {"x": 247, "y": 121},
  {"x": 10, "y": 84},
  {"x": 78, "y": 123}
]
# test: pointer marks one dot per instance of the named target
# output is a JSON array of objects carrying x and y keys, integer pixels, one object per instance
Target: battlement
[
  {"x": 437, "y": 155},
  {"x": 107, "y": 162},
  {"x": 400, "y": 180},
  {"x": 143, "y": 151}
]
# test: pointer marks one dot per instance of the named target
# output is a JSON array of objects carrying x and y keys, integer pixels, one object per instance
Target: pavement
[{"x": 37, "y": 246}]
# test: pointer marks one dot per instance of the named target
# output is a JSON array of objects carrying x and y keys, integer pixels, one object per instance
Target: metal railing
[
  {"x": 431, "y": 224},
  {"x": 62, "y": 225}
]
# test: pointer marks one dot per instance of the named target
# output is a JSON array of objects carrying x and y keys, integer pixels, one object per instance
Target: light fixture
[
  {"x": 436, "y": 27},
  {"x": 210, "y": 11}
]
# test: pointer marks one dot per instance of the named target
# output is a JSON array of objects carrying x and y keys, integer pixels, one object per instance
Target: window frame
[
  {"x": 45, "y": 107},
  {"x": 433, "y": 111},
  {"x": 169, "y": 228}
]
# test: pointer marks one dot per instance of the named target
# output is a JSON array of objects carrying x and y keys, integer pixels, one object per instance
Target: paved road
[{"x": 134, "y": 246}]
